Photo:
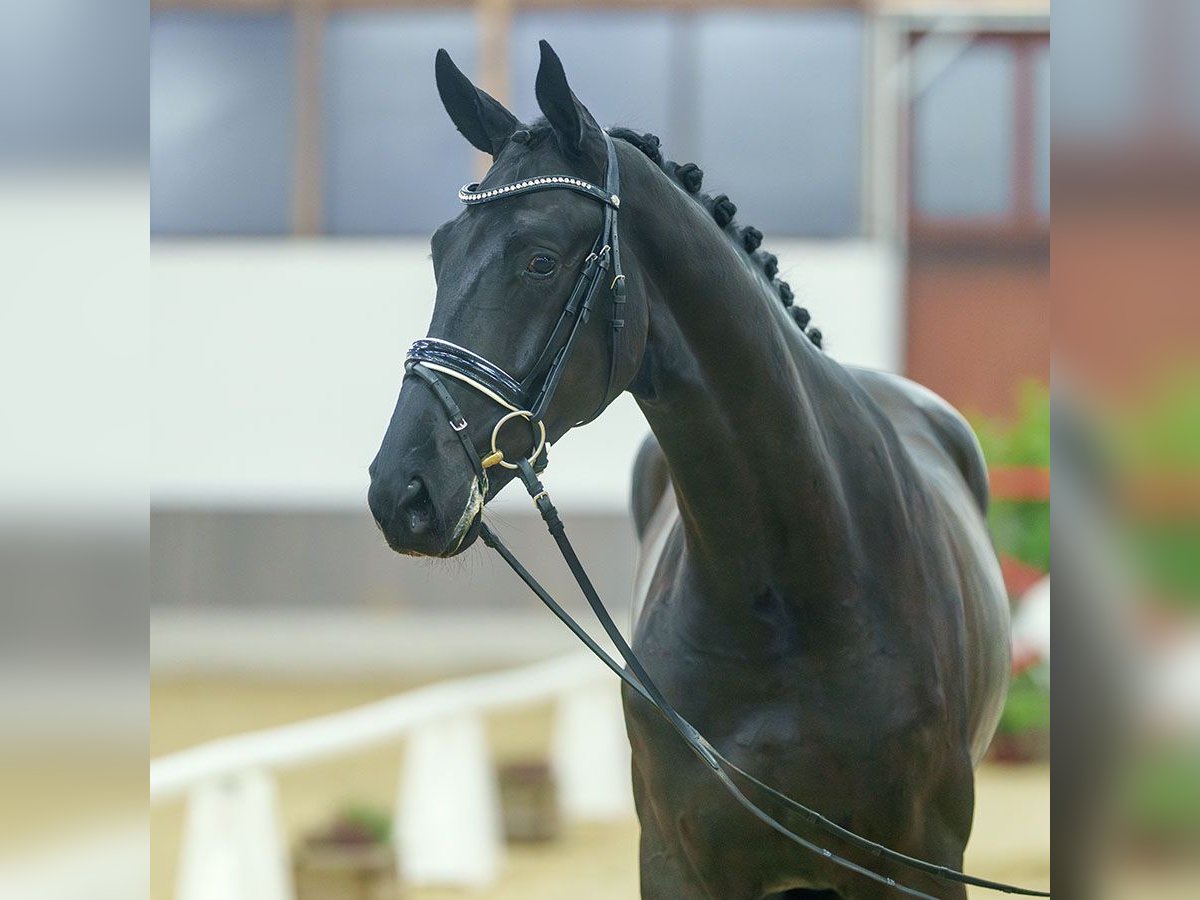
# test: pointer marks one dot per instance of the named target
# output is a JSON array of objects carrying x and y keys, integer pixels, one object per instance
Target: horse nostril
[{"x": 414, "y": 503}]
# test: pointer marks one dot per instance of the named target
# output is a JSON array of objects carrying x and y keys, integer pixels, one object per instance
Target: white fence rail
[{"x": 447, "y": 819}]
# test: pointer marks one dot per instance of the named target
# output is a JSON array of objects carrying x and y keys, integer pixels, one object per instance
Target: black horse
[{"x": 819, "y": 595}]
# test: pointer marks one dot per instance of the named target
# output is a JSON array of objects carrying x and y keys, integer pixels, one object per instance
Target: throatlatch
[{"x": 528, "y": 400}]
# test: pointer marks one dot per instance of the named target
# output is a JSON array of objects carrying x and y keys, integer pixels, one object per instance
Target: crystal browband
[{"x": 470, "y": 193}]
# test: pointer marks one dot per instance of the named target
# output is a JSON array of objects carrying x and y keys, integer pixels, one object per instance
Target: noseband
[
  {"x": 529, "y": 398},
  {"x": 431, "y": 358}
]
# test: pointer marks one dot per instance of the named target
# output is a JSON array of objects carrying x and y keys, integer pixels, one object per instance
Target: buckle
[{"x": 458, "y": 423}]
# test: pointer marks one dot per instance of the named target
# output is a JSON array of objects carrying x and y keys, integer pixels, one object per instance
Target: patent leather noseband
[{"x": 430, "y": 359}]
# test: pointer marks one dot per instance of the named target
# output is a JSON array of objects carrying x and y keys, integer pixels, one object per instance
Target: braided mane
[
  {"x": 722, "y": 209},
  {"x": 690, "y": 177}
]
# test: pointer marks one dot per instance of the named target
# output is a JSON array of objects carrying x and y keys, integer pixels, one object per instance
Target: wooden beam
[
  {"x": 962, "y": 7},
  {"x": 495, "y": 24},
  {"x": 495, "y": 20},
  {"x": 309, "y": 19},
  {"x": 685, "y": 5},
  {"x": 268, "y": 6},
  {"x": 259, "y": 6},
  {"x": 234, "y": 6}
]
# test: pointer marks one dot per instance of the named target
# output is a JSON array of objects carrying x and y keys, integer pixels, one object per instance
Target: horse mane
[{"x": 689, "y": 176}]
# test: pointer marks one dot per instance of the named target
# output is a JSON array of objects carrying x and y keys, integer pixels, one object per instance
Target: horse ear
[
  {"x": 481, "y": 118},
  {"x": 572, "y": 123}
]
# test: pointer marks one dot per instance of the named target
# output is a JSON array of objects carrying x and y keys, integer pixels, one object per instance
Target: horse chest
[
  {"x": 768, "y": 693},
  {"x": 801, "y": 741},
  {"x": 772, "y": 692},
  {"x": 855, "y": 731}
]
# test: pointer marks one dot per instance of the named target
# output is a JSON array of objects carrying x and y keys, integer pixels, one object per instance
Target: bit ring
[{"x": 539, "y": 433}]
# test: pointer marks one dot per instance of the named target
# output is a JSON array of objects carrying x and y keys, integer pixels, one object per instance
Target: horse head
[{"x": 516, "y": 355}]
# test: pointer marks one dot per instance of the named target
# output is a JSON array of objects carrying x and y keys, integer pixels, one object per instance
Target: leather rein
[{"x": 431, "y": 359}]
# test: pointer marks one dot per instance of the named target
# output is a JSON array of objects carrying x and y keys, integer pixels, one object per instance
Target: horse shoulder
[
  {"x": 947, "y": 454},
  {"x": 927, "y": 422}
]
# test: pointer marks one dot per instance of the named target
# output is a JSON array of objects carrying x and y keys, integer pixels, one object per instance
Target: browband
[{"x": 471, "y": 195}]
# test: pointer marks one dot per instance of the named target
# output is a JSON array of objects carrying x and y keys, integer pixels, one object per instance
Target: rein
[{"x": 432, "y": 358}]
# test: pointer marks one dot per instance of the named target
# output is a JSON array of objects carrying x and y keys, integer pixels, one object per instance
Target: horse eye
[{"x": 541, "y": 265}]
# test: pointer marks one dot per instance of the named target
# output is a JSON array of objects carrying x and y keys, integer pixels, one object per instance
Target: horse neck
[{"x": 735, "y": 395}]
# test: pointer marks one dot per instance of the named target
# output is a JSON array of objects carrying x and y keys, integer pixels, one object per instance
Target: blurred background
[
  {"x": 898, "y": 163},
  {"x": 73, "y": 515},
  {"x": 895, "y": 154}
]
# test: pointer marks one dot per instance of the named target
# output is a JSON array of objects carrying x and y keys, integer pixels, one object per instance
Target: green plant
[
  {"x": 1020, "y": 528},
  {"x": 1158, "y": 448},
  {"x": 1164, "y": 432},
  {"x": 1162, "y": 796},
  {"x": 356, "y": 825},
  {"x": 1023, "y": 441},
  {"x": 1027, "y": 707},
  {"x": 371, "y": 819},
  {"x": 1167, "y": 555}
]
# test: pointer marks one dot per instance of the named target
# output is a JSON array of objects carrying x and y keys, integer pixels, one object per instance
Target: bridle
[
  {"x": 529, "y": 398},
  {"x": 431, "y": 358}
]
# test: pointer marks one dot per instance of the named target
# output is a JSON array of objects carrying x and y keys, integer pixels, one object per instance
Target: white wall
[
  {"x": 72, "y": 339},
  {"x": 275, "y": 365}
]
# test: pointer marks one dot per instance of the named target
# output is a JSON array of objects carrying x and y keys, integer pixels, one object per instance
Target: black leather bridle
[{"x": 528, "y": 399}]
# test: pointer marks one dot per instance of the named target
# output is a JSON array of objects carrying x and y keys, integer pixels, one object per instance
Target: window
[
  {"x": 1041, "y": 129},
  {"x": 1187, "y": 40},
  {"x": 222, "y": 123},
  {"x": 779, "y": 117},
  {"x": 980, "y": 135},
  {"x": 392, "y": 159},
  {"x": 619, "y": 63},
  {"x": 1099, "y": 72},
  {"x": 768, "y": 102},
  {"x": 73, "y": 81},
  {"x": 964, "y": 133}
]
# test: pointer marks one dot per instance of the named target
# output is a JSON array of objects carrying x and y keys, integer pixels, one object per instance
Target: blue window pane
[
  {"x": 393, "y": 160},
  {"x": 1041, "y": 130},
  {"x": 1100, "y": 66},
  {"x": 222, "y": 123},
  {"x": 619, "y": 64},
  {"x": 779, "y": 105},
  {"x": 963, "y": 140},
  {"x": 1189, "y": 40},
  {"x": 73, "y": 80}
]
